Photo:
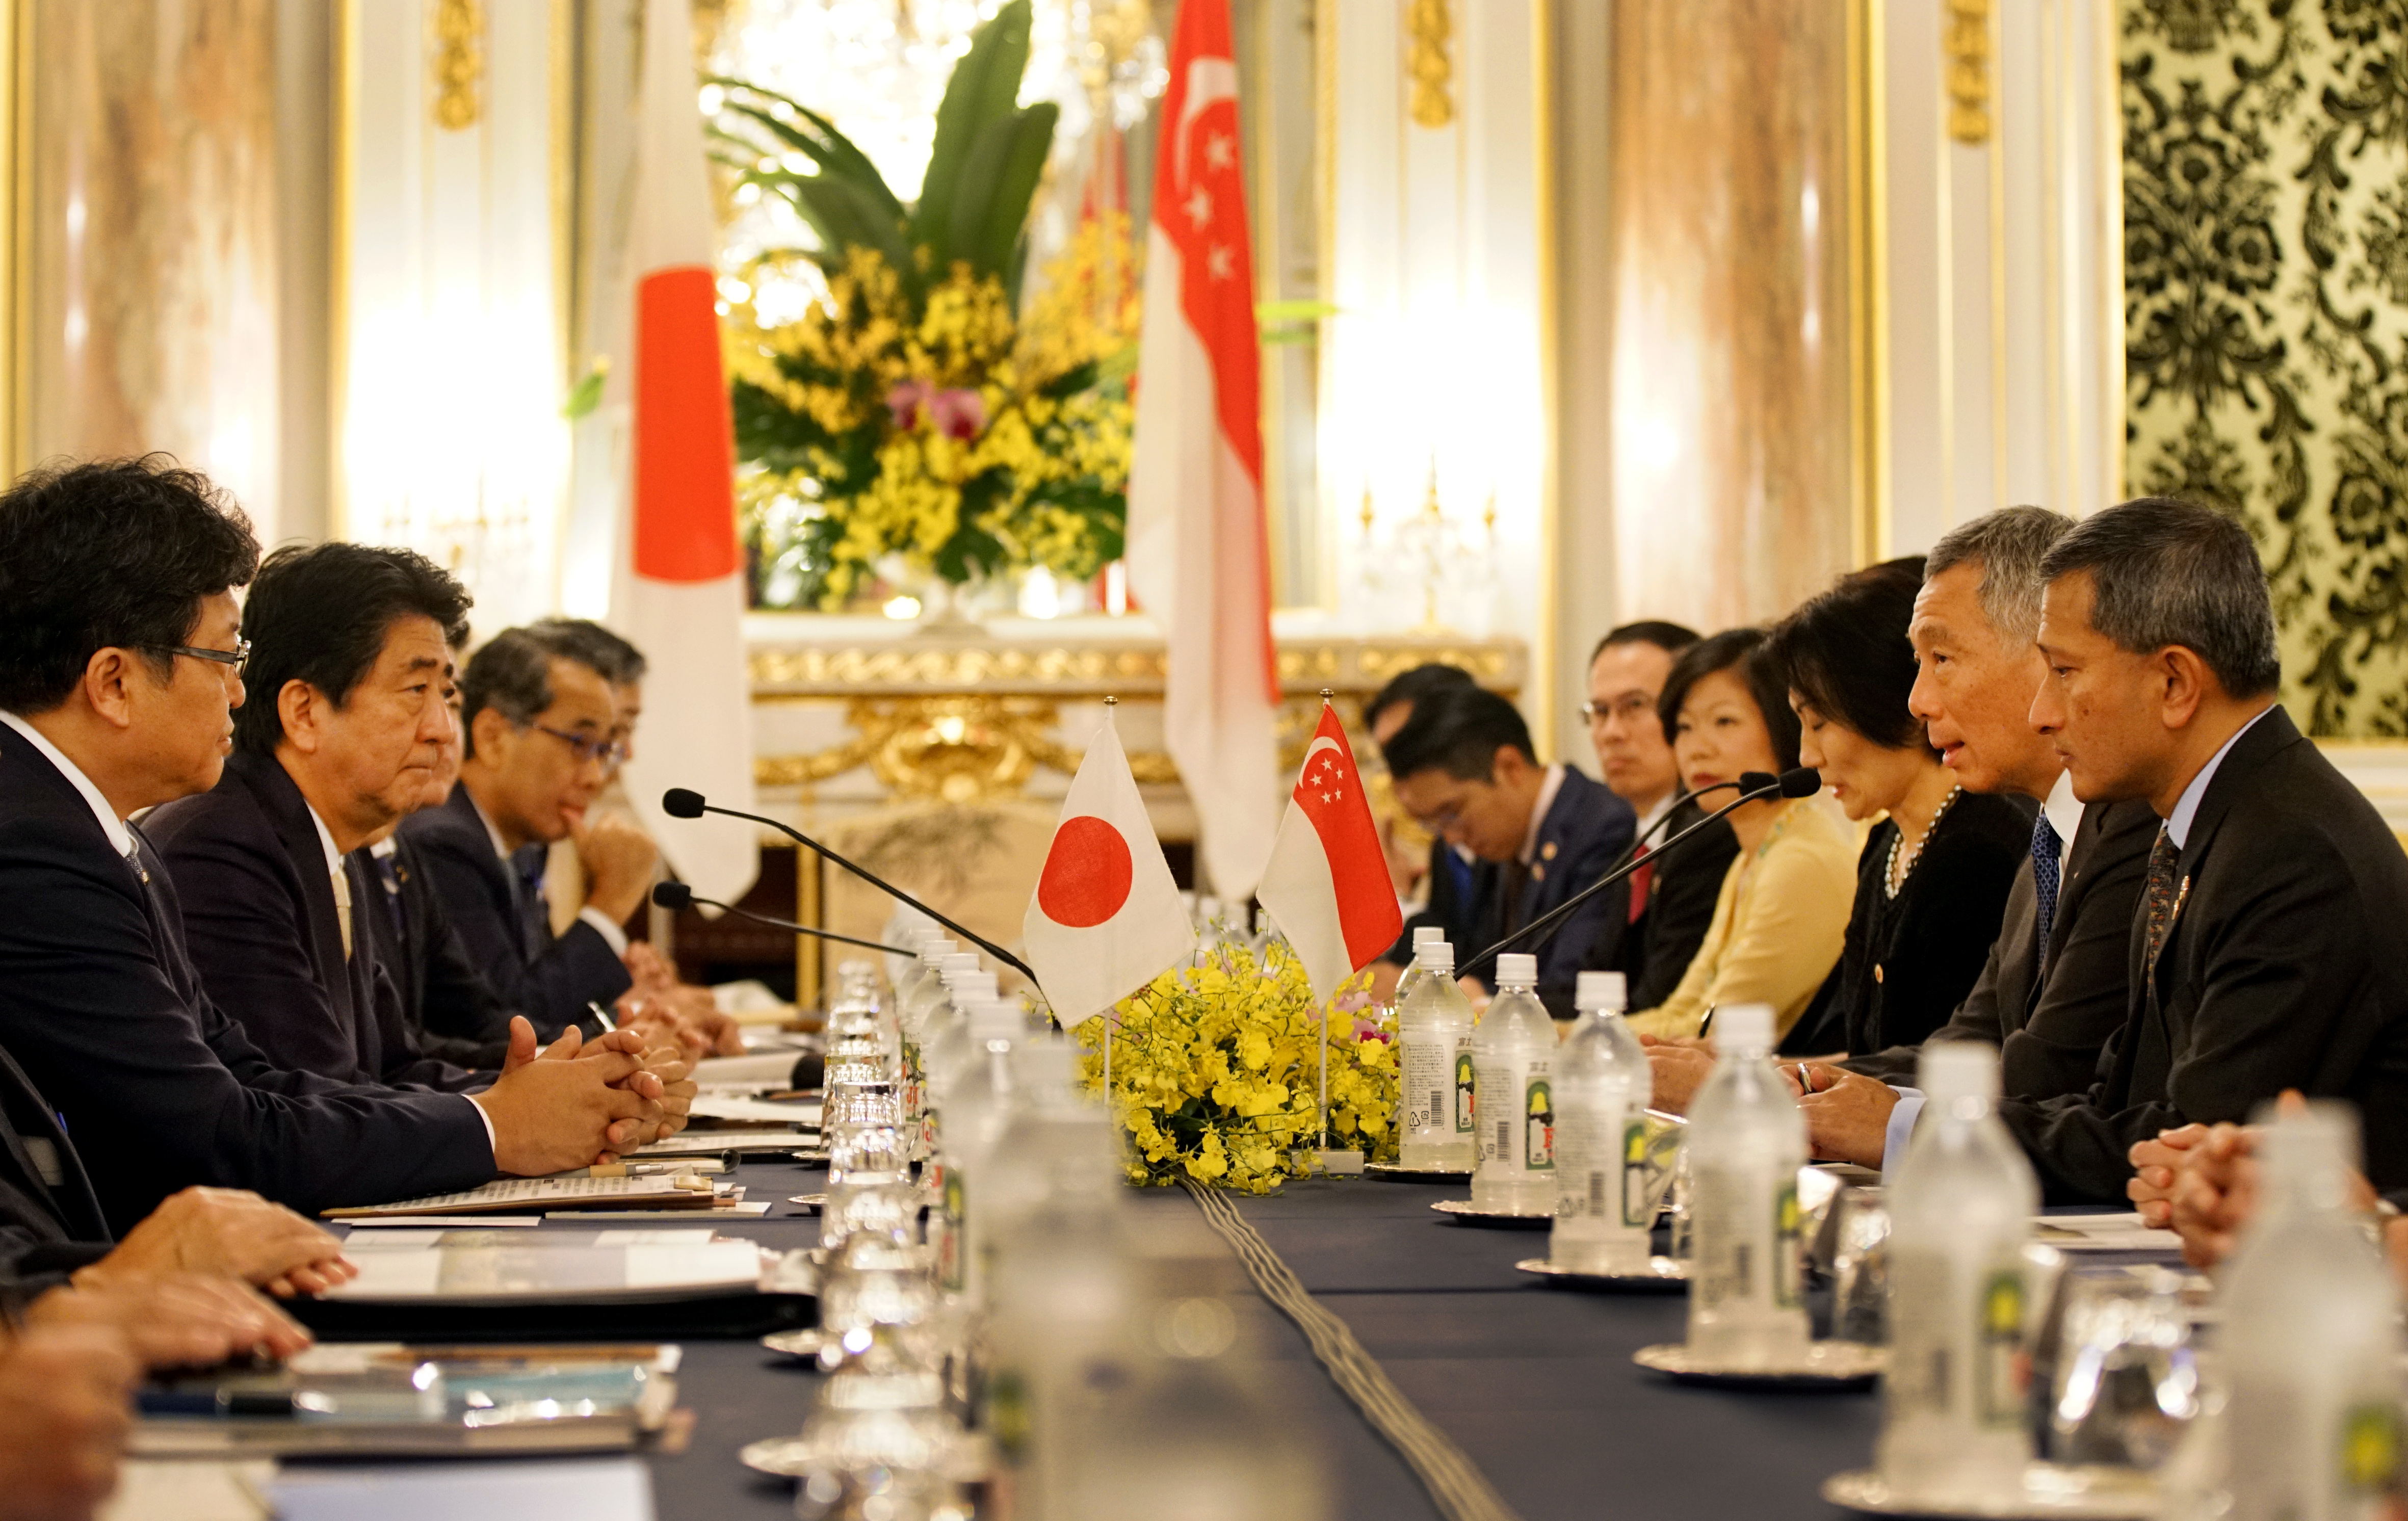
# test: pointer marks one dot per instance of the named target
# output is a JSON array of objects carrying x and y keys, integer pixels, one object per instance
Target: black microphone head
[
  {"x": 672, "y": 895},
  {"x": 681, "y": 803},
  {"x": 1801, "y": 781},
  {"x": 1750, "y": 782}
]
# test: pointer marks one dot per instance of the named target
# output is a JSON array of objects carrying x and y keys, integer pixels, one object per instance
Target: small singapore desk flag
[
  {"x": 1106, "y": 919},
  {"x": 1326, "y": 886}
]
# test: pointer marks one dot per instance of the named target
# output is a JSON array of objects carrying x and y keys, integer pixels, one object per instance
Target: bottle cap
[
  {"x": 1959, "y": 1069},
  {"x": 1743, "y": 1028},
  {"x": 959, "y": 961},
  {"x": 1600, "y": 990},
  {"x": 1043, "y": 1063},
  {"x": 1519, "y": 967},
  {"x": 1424, "y": 934},
  {"x": 934, "y": 949},
  {"x": 995, "y": 1020},
  {"x": 1435, "y": 955},
  {"x": 856, "y": 969}
]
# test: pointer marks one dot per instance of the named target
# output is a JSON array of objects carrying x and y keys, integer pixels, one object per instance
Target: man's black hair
[
  {"x": 1742, "y": 649},
  {"x": 589, "y": 643},
  {"x": 1845, "y": 652},
  {"x": 512, "y": 675},
  {"x": 1459, "y": 730},
  {"x": 108, "y": 555},
  {"x": 321, "y": 614},
  {"x": 1411, "y": 686},
  {"x": 1668, "y": 636},
  {"x": 2165, "y": 572}
]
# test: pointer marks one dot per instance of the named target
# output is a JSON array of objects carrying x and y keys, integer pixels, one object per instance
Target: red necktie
[{"x": 1640, "y": 880}]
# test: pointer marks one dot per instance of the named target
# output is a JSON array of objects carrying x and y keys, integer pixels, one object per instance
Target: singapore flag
[
  {"x": 1106, "y": 919},
  {"x": 1326, "y": 886}
]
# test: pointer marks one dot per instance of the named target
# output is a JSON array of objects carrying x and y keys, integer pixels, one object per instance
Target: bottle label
[
  {"x": 1466, "y": 1087},
  {"x": 1788, "y": 1224},
  {"x": 1428, "y": 1089},
  {"x": 1538, "y": 1112},
  {"x": 2001, "y": 1369},
  {"x": 1586, "y": 1165},
  {"x": 2369, "y": 1449},
  {"x": 952, "y": 1263},
  {"x": 1634, "y": 1174}
]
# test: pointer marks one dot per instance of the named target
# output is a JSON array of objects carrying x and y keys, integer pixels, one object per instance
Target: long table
[{"x": 1535, "y": 1383}]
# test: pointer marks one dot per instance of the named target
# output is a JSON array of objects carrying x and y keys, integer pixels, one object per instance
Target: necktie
[
  {"x": 2044, "y": 848},
  {"x": 535, "y": 910},
  {"x": 1515, "y": 878},
  {"x": 343, "y": 906},
  {"x": 1640, "y": 880},
  {"x": 388, "y": 873},
  {"x": 2161, "y": 898}
]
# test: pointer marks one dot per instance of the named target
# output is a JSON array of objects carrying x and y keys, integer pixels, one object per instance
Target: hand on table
[
  {"x": 229, "y": 1232},
  {"x": 1679, "y": 1071},
  {"x": 1849, "y": 1120},
  {"x": 176, "y": 1320},
  {"x": 573, "y": 1104},
  {"x": 2215, "y": 1192},
  {"x": 2155, "y": 1164},
  {"x": 65, "y": 1403}
]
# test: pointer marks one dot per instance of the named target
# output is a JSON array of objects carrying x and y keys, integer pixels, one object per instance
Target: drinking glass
[
  {"x": 1860, "y": 1267},
  {"x": 2124, "y": 1382}
]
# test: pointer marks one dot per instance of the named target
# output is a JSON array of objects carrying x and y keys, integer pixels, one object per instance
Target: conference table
[{"x": 1534, "y": 1383}]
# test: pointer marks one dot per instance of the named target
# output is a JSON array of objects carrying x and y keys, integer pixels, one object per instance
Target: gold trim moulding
[{"x": 785, "y": 673}]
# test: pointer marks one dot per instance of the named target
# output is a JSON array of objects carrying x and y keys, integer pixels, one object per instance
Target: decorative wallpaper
[{"x": 2266, "y": 314}]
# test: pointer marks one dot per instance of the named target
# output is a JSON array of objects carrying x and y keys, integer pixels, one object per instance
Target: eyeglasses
[
  {"x": 238, "y": 657},
  {"x": 1628, "y": 707},
  {"x": 611, "y": 753}
]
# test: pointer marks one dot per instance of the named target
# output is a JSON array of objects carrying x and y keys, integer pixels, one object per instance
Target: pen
[
  {"x": 230, "y": 1402},
  {"x": 602, "y": 1014}
]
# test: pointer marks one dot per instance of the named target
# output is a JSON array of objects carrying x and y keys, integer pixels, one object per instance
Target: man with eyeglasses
[{"x": 541, "y": 725}]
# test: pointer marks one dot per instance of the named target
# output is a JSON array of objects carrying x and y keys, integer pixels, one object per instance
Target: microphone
[
  {"x": 1799, "y": 781},
  {"x": 686, "y": 803},
  {"x": 674, "y": 896}
]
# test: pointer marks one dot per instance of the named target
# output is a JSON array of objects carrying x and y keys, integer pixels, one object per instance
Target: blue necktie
[
  {"x": 2044, "y": 848},
  {"x": 388, "y": 869},
  {"x": 529, "y": 863}
]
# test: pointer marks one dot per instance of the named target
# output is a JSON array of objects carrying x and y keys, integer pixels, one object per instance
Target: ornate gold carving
[
  {"x": 1965, "y": 41},
  {"x": 960, "y": 749},
  {"x": 1430, "y": 24},
  {"x": 459, "y": 61},
  {"x": 904, "y": 667}
]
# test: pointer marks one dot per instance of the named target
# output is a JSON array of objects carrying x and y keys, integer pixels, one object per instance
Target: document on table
[
  {"x": 2102, "y": 1233},
  {"x": 711, "y": 1143},
  {"x": 475, "y": 1266},
  {"x": 521, "y": 1195},
  {"x": 608, "y": 1489},
  {"x": 776, "y": 1066},
  {"x": 753, "y": 1111}
]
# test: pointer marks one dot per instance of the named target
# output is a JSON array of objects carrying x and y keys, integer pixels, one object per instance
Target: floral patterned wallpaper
[{"x": 2266, "y": 314}]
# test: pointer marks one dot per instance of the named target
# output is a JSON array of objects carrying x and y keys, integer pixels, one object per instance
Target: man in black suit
[
  {"x": 1655, "y": 918},
  {"x": 1465, "y": 768},
  {"x": 1446, "y": 875},
  {"x": 2266, "y": 952},
  {"x": 116, "y": 606},
  {"x": 2053, "y": 989},
  {"x": 539, "y": 748}
]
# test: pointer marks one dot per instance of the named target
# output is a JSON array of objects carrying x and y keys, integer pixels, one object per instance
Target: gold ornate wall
[{"x": 2266, "y": 308}]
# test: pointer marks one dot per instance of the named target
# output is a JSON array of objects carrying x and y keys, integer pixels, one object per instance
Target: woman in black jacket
[{"x": 1932, "y": 881}]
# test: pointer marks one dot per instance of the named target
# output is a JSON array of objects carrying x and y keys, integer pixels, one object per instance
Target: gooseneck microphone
[
  {"x": 1799, "y": 782},
  {"x": 686, "y": 803},
  {"x": 674, "y": 896}
]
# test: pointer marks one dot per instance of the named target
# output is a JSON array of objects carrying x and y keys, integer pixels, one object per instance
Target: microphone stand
[
  {"x": 885, "y": 886},
  {"x": 779, "y": 924},
  {"x": 1555, "y": 916}
]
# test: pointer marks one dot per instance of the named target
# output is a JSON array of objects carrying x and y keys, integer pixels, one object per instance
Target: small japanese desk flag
[{"x": 1328, "y": 886}]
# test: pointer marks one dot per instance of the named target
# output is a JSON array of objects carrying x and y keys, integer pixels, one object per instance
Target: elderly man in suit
[
  {"x": 2265, "y": 954},
  {"x": 117, "y": 605},
  {"x": 1465, "y": 768}
]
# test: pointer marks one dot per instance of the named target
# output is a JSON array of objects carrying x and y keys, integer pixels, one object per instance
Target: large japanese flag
[
  {"x": 1327, "y": 886},
  {"x": 1198, "y": 555},
  {"x": 677, "y": 591},
  {"x": 1106, "y": 919}
]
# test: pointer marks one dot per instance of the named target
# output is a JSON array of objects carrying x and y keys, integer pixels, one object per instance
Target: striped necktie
[{"x": 2045, "y": 850}]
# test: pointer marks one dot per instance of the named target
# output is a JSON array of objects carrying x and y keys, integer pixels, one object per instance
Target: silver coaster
[
  {"x": 802, "y": 1344},
  {"x": 967, "y": 1457},
  {"x": 1822, "y": 1365},
  {"x": 1398, "y": 1172},
  {"x": 2059, "y": 1492},
  {"x": 809, "y": 1202},
  {"x": 1461, "y": 1208},
  {"x": 1663, "y": 1275}
]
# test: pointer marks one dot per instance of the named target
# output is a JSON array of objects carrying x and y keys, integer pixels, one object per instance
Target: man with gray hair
[{"x": 2266, "y": 954}]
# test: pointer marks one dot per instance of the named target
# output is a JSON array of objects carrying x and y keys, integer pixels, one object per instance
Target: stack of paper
[
  {"x": 509, "y": 1267},
  {"x": 679, "y": 1191}
]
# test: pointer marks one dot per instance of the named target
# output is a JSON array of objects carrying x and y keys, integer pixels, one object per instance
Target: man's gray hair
[
  {"x": 513, "y": 676},
  {"x": 2008, "y": 545},
  {"x": 2165, "y": 572}
]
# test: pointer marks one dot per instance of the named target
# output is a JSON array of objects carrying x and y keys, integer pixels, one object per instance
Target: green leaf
[
  {"x": 984, "y": 87},
  {"x": 1293, "y": 312},
  {"x": 845, "y": 216},
  {"x": 822, "y": 144},
  {"x": 998, "y": 180},
  {"x": 587, "y": 394}
]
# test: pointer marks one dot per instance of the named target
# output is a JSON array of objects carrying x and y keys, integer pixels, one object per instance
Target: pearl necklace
[{"x": 1895, "y": 874}]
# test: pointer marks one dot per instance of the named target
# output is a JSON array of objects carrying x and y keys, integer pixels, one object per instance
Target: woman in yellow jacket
[{"x": 1783, "y": 915}]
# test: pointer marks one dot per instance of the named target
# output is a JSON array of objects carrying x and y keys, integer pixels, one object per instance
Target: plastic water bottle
[
  {"x": 1422, "y": 934},
  {"x": 1746, "y": 1142},
  {"x": 977, "y": 1104},
  {"x": 1512, "y": 1059},
  {"x": 1055, "y": 1146},
  {"x": 1953, "y": 1403},
  {"x": 2310, "y": 1342},
  {"x": 1434, "y": 1030},
  {"x": 945, "y": 1049},
  {"x": 1603, "y": 1214}
]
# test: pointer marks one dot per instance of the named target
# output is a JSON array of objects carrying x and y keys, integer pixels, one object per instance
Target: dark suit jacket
[
  {"x": 2285, "y": 966},
  {"x": 47, "y": 1229},
  {"x": 1448, "y": 907},
  {"x": 439, "y": 996},
  {"x": 2050, "y": 1020},
  {"x": 503, "y": 928},
  {"x": 1910, "y": 960},
  {"x": 100, "y": 1005},
  {"x": 1655, "y": 949},
  {"x": 261, "y": 924},
  {"x": 1586, "y": 830}
]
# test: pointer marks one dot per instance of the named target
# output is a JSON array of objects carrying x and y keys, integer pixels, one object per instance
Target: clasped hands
[{"x": 578, "y": 1102}]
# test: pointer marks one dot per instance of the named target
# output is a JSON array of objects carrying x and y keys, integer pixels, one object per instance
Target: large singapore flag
[
  {"x": 1199, "y": 554},
  {"x": 1106, "y": 919},
  {"x": 677, "y": 591},
  {"x": 1327, "y": 886}
]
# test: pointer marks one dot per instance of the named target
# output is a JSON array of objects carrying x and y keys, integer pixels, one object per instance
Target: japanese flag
[
  {"x": 1326, "y": 886},
  {"x": 1106, "y": 919}
]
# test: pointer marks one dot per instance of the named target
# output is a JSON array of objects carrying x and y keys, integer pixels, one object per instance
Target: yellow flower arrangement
[{"x": 1215, "y": 1075}]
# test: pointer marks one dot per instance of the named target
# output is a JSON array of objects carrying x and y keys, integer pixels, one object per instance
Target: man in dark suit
[
  {"x": 540, "y": 749},
  {"x": 117, "y": 605},
  {"x": 2266, "y": 952},
  {"x": 1655, "y": 918},
  {"x": 1463, "y": 767},
  {"x": 1445, "y": 877}
]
